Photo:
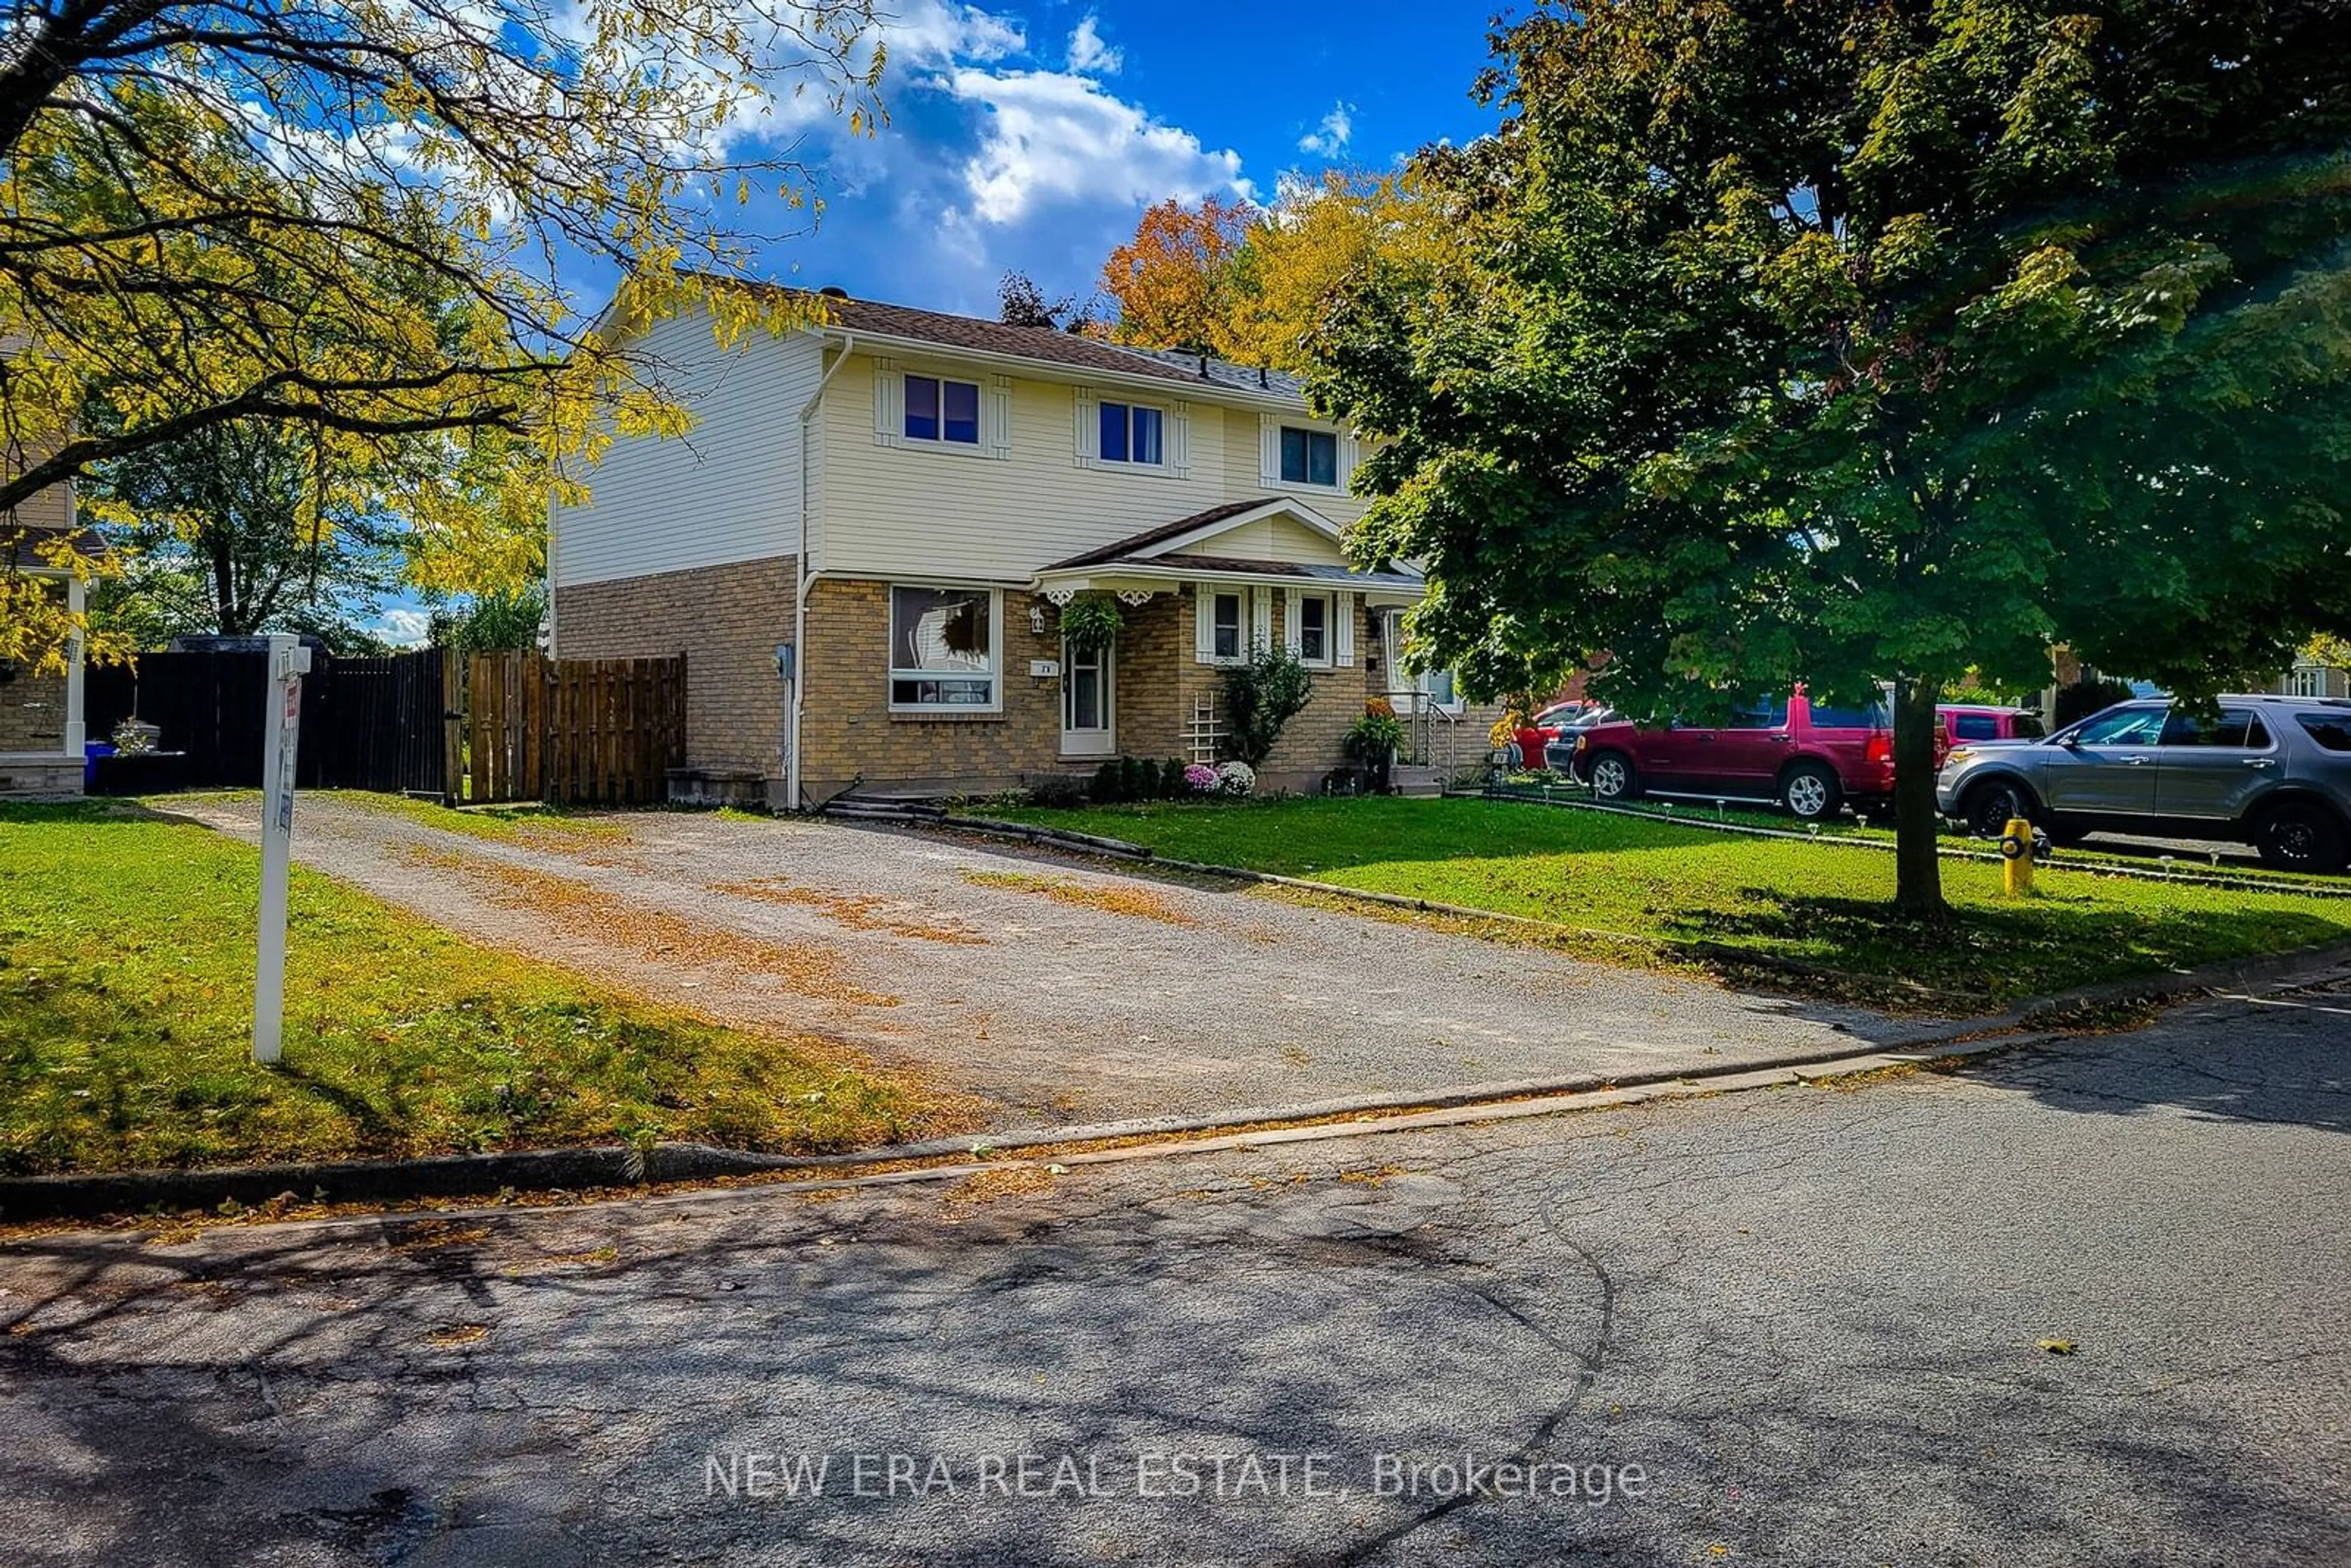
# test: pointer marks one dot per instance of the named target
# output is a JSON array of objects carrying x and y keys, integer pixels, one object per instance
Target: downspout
[{"x": 807, "y": 579}]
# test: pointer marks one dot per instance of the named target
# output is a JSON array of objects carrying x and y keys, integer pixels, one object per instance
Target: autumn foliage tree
[
  {"x": 1173, "y": 281},
  {"x": 356, "y": 222}
]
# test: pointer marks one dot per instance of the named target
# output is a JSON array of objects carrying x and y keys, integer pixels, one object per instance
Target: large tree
[
  {"x": 1842, "y": 341},
  {"x": 243, "y": 212}
]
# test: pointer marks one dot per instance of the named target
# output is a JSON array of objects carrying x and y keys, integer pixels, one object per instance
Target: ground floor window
[{"x": 945, "y": 648}]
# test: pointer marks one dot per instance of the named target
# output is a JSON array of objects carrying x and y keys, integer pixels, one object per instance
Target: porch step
[
  {"x": 39, "y": 776},
  {"x": 1408, "y": 780}
]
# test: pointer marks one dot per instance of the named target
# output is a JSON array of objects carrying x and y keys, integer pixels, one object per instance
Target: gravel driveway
[{"x": 1060, "y": 994}]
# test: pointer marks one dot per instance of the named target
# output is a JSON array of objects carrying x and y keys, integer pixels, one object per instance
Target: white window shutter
[
  {"x": 1089, "y": 427},
  {"x": 889, "y": 403},
  {"x": 1269, "y": 431},
  {"x": 1204, "y": 623},
  {"x": 998, "y": 433},
  {"x": 1260, "y": 602},
  {"x": 1343, "y": 636},
  {"x": 1179, "y": 441},
  {"x": 1291, "y": 599},
  {"x": 1349, "y": 456}
]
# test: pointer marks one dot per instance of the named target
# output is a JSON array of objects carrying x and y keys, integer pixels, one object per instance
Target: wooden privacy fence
[{"x": 602, "y": 732}]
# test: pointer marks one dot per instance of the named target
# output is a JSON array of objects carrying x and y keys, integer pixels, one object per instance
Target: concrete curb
[{"x": 134, "y": 1192}]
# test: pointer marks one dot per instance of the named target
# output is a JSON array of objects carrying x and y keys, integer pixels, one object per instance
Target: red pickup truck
[{"x": 1812, "y": 759}]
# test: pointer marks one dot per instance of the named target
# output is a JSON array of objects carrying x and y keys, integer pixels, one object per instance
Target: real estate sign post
[{"x": 289, "y": 662}]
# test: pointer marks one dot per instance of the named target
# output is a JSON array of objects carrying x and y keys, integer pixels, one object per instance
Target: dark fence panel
[{"x": 367, "y": 724}]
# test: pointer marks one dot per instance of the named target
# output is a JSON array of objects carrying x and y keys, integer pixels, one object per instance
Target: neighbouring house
[
  {"x": 864, "y": 547},
  {"x": 2315, "y": 678},
  {"x": 41, "y": 714}
]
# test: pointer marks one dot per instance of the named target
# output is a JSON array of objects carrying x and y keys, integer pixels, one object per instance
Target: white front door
[{"x": 1088, "y": 697}]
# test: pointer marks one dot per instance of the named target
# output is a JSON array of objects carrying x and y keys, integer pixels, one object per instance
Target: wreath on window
[{"x": 1090, "y": 622}]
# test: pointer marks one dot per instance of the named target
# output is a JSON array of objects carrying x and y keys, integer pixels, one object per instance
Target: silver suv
[{"x": 2274, "y": 772}]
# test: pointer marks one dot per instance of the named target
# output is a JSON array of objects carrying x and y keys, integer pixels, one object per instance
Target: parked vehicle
[
  {"x": 1559, "y": 755},
  {"x": 2271, "y": 771},
  {"x": 1812, "y": 759},
  {"x": 1977, "y": 721},
  {"x": 1535, "y": 737}
]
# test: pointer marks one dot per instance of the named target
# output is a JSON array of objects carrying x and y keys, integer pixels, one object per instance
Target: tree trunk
[{"x": 1917, "y": 873}]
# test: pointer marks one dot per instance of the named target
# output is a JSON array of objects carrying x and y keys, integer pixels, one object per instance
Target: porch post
[{"x": 76, "y": 600}]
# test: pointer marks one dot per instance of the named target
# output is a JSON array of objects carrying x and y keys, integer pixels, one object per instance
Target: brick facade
[
  {"x": 727, "y": 621},
  {"x": 848, "y": 731},
  {"x": 33, "y": 713}
]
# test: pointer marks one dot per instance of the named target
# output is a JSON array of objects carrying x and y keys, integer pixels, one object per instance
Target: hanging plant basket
[{"x": 1090, "y": 622}]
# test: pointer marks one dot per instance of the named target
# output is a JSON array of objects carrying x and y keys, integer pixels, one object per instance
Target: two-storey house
[{"x": 864, "y": 546}]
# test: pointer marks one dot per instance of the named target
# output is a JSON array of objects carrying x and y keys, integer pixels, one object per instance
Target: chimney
[
  {"x": 1262, "y": 380},
  {"x": 1203, "y": 367}
]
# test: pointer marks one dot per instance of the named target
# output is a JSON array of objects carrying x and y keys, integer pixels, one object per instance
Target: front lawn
[
  {"x": 126, "y": 998},
  {"x": 1815, "y": 903}
]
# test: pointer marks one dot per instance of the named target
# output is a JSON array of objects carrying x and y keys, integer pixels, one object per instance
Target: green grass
[
  {"x": 1813, "y": 903},
  {"x": 527, "y": 823},
  {"x": 126, "y": 975}
]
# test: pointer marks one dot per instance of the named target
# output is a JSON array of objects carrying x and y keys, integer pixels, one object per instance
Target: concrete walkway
[{"x": 1059, "y": 995}]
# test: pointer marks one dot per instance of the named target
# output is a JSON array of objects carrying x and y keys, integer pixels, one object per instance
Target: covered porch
[{"x": 1200, "y": 596}]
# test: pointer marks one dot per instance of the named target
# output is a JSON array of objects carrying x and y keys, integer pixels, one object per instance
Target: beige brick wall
[
  {"x": 33, "y": 713},
  {"x": 847, "y": 730},
  {"x": 727, "y": 621}
]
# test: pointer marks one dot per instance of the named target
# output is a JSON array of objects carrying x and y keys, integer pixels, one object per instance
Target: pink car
[{"x": 1811, "y": 759}]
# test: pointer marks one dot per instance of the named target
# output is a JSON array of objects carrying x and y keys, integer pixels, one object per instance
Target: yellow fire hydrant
[{"x": 2016, "y": 857}]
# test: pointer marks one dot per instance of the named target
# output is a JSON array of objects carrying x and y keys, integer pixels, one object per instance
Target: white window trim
[
  {"x": 1256, "y": 624},
  {"x": 889, "y": 408},
  {"x": 890, "y": 677},
  {"x": 1293, "y": 626},
  {"x": 1175, "y": 436},
  {"x": 1269, "y": 428}
]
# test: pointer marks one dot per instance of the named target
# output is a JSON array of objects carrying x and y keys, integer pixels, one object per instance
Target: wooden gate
[{"x": 602, "y": 732}]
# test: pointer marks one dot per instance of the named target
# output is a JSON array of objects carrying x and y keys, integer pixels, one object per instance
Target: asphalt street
[{"x": 2080, "y": 1305}]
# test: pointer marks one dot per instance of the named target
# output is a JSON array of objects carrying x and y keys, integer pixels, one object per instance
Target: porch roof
[{"x": 1159, "y": 558}]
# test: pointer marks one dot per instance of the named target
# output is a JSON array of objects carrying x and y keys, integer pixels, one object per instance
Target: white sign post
[{"x": 289, "y": 662}]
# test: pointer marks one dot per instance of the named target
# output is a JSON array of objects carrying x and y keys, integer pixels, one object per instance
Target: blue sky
[{"x": 1031, "y": 135}]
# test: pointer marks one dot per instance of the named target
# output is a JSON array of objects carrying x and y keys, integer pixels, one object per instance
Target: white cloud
[
  {"x": 404, "y": 628},
  {"x": 939, "y": 32},
  {"x": 1089, "y": 56},
  {"x": 1051, "y": 136},
  {"x": 1330, "y": 138}
]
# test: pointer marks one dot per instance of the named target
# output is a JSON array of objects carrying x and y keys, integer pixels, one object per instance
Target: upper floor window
[
  {"x": 1131, "y": 433},
  {"x": 940, "y": 410},
  {"x": 1309, "y": 456}
]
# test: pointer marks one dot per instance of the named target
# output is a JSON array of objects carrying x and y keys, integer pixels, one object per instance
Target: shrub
[
  {"x": 1173, "y": 786},
  {"x": 1110, "y": 785},
  {"x": 1059, "y": 790},
  {"x": 1261, "y": 696},
  {"x": 1376, "y": 736},
  {"x": 1236, "y": 779},
  {"x": 1200, "y": 779}
]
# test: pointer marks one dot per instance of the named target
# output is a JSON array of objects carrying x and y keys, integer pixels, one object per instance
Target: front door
[{"x": 1088, "y": 694}]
